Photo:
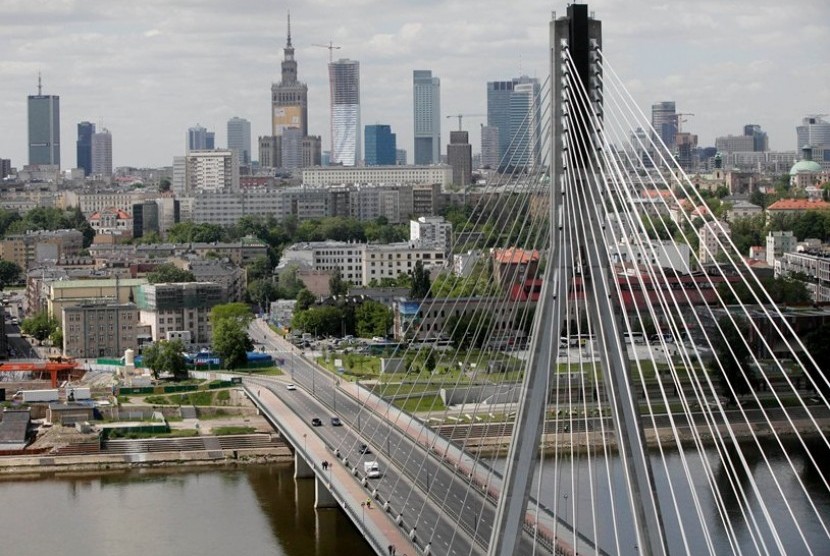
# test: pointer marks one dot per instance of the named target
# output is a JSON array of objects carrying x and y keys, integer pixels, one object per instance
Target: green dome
[{"x": 806, "y": 166}]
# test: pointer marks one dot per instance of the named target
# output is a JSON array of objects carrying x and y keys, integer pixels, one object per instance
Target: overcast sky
[{"x": 149, "y": 69}]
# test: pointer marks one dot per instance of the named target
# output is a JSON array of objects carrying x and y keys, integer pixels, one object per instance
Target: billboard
[{"x": 287, "y": 116}]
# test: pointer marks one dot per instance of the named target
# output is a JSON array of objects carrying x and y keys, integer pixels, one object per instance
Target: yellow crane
[
  {"x": 331, "y": 48},
  {"x": 459, "y": 116}
]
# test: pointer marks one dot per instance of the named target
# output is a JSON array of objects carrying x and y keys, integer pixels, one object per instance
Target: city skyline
[{"x": 152, "y": 72}]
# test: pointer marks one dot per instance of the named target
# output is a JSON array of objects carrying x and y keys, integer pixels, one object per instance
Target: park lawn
[{"x": 419, "y": 404}]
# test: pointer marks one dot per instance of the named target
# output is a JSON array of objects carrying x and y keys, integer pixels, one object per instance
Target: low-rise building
[
  {"x": 38, "y": 246},
  {"x": 68, "y": 293},
  {"x": 99, "y": 329},
  {"x": 337, "y": 175},
  {"x": 179, "y": 307}
]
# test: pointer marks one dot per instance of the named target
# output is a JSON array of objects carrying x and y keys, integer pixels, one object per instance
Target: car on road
[
  {"x": 335, "y": 422},
  {"x": 291, "y": 387},
  {"x": 316, "y": 422},
  {"x": 364, "y": 449}
]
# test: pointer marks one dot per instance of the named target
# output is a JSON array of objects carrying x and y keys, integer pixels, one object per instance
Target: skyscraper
[
  {"x": 344, "y": 79},
  {"x": 498, "y": 113},
  {"x": 84, "y": 146},
  {"x": 426, "y": 93},
  {"x": 239, "y": 139},
  {"x": 460, "y": 157},
  {"x": 289, "y": 97},
  {"x": 664, "y": 122},
  {"x": 490, "y": 147},
  {"x": 524, "y": 124},
  {"x": 813, "y": 131},
  {"x": 197, "y": 139},
  {"x": 102, "y": 153},
  {"x": 44, "y": 128},
  {"x": 381, "y": 145}
]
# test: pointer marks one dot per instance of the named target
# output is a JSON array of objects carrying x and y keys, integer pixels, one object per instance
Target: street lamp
[
  {"x": 305, "y": 445},
  {"x": 566, "y": 508}
]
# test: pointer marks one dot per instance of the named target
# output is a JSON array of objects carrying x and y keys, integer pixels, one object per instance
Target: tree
[
  {"x": 9, "y": 273},
  {"x": 338, "y": 286},
  {"x": 239, "y": 312},
  {"x": 231, "y": 342},
  {"x": 164, "y": 185},
  {"x": 259, "y": 268},
  {"x": 305, "y": 299},
  {"x": 372, "y": 319},
  {"x": 322, "y": 321},
  {"x": 733, "y": 354},
  {"x": 169, "y": 273},
  {"x": 166, "y": 356},
  {"x": 40, "y": 326},
  {"x": 469, "y": 329},
  {"x": 420, "y": 282},
  {"x": 262, "y": 292}
]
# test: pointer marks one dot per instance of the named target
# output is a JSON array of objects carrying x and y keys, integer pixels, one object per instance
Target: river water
[
  {"x": 263, "y": 510},
  {"x": 251, "y": 511}
]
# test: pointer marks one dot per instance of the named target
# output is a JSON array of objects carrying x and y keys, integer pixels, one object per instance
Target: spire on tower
[
  {"x": 39, "y": 85},
  {"x": 288, "y": 44}
]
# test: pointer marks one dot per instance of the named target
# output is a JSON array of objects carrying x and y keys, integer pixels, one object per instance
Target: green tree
[
  {"x": 164, "y": 185},
  {"x": 262, "y": 292},
  {"x": 259, "y": 269},
  {"x": 338, "y": 286},
  {"x": 10, "y": 273},
  {"x": 166, "y": 356},
  {"x": 372, "y": 319},
  {"x": 469, "y": 329},
  {"x": 169, "y": 273},
  {"x": 305, "y": 299},
  {"x": 56, "y": 337},
  {"x": 238, "y": 312},
  {"x": 187, "y": 232},
  {"x": 322, "y": 321},
  {"x": 40, "y": 326},
  {"x": 747, "y": 232},
  {"x": 420, "y": 282},
  {"x": 231, "y": 342}
]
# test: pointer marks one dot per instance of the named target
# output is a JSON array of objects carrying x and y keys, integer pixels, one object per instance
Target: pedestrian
[
  {"x": 390, "y": 550},
  {"x": 369, "y": 503},
  {"x": 394, "y": 550}
]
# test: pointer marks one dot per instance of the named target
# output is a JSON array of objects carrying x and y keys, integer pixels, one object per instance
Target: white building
[
  {"x": 742, "y": 209},
  {"x": 779, "y": 243},
  {"x": 390, "y": 260},
  {"x": 211, "y": 170},
  {"x": 432, "y": 231},
  {"x": 338, "y": 175},
  {"x": 710, "y": 234}
]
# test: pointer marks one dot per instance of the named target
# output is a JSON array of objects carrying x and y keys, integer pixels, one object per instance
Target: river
[{"x": 253, "y": 511}]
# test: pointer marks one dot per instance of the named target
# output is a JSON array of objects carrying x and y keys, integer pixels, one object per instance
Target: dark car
[
  {"x": 316, "y": 422},
  {"x": 364, "y": 449},
  {"x": 335, "y": 422}
]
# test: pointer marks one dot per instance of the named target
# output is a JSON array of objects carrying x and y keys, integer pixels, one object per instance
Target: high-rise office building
[
  {"x": 44, "y": 128},
  {"x": 198, "y": 140},
  {"x": 210, "y": 140},
  {"x": 289, "y": 97},
  {"x": 102, "y": 153},
  {"x": 426, "y": 93},
  {"x": 239, "y": 139},
  {"x": 291, "y": 144},
  {"x": 498, "y": 115},
  {"x": 400, "y": 157},
  {"x": 490, "y": 147},
  {"x": 760, "y": 141},
  {"x": 524, "y": 124},
  {"x": 664, "y": 122},
  {"x": 344, "y": 79},
  {"x": 813, "y": 131},
  {"x": 380, "y": 145},
  {"x": 84, "y": 146},
  {"x": 460, "y": 157}
]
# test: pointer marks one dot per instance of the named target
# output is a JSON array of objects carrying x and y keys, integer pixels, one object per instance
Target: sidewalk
[{"x": 380, "y": 526}]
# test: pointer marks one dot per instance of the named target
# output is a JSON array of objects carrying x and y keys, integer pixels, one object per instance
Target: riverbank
[{"x": 45, "y": 466}]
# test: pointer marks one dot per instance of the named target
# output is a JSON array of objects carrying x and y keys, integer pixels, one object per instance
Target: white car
[{"x": 291, "y": 387}]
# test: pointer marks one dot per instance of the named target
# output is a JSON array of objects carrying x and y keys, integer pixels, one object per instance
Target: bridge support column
[
  {"x": 302, "y": 470},
  {"x": 323, "y": 497}
]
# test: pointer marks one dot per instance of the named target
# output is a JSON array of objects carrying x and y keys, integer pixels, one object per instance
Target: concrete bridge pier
[
  {"x": 323, "y": 497},
  {"x": 302, "y": 470}
]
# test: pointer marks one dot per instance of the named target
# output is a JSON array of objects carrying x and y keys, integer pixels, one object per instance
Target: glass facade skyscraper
[
  {"x": 239, "y": 139},
  {"x": 381, "y": 145},
  {"x": 498, "y": 114},
  {"x": 344, "y": 80},
  {"x": 426, "y": 93},
  {"x": 84, "y": 146},
  {"x": 513, "y": 109},
  {"x": 44, "y": 128}
]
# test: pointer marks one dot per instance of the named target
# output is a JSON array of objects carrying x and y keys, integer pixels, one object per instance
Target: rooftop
[
  {"x": 515, "y": 255},
  {"x": 799, "y": 204}
]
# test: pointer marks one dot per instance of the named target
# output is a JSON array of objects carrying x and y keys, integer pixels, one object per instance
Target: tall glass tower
[
  {"x": 84, "y": 146},
  {"x": 239, "y": 139},
  {"x": 44, "y": 128},
  {"x": 426, "y": 93},
  {"x": 344, "y": 79},
  {"x": 381, "y": 145}
]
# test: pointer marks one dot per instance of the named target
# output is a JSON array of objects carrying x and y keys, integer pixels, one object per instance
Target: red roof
[
  {"x": 514, "y": 255},
  {"x": 799, "y": 204}
]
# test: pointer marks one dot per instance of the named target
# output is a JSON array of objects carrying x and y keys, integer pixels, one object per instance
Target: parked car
[
  {"x": 364, "y": 449},
  {"x": 316, "y": 422},
  {"x": 335, "y": 422}
]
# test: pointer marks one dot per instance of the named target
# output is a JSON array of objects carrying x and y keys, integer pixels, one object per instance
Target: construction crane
[
  {"x": 679, "y": 119},
  {"x": 459, "y": 116},
  {"x": 331, "y": 48}
]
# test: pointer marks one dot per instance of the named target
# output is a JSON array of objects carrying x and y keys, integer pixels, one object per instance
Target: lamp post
[
  {"x": 566, "y": 507},
  {"x": 305, "y": 442}
]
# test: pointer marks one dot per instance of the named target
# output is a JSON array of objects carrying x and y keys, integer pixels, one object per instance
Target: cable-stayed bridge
[{"x": 606, "y": 373}]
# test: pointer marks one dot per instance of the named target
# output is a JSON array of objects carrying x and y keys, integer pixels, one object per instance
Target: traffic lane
[{"x": 440, "y": 532}]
